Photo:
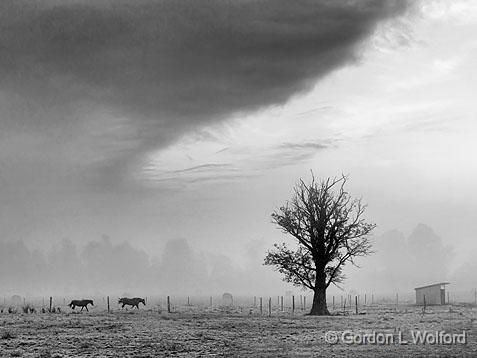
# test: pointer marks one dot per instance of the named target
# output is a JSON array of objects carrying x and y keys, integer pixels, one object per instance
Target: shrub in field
[
  {"x": 45, "y": 354},
  {"x": 27, "y": 309},
  {"x": 85, "y": 345},
  {"x": 7, "y": 335}
]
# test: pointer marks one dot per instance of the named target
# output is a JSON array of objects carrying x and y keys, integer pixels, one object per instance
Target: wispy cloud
[
  {"x": 304, "y": 145},
  {"x": 430, "y": 74},
  {"x": 242, "y": 162},
  {"x": 203, "y": 168}
]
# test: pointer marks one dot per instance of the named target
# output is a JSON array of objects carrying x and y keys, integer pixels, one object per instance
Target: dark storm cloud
[{"x": 173, "y": 65}]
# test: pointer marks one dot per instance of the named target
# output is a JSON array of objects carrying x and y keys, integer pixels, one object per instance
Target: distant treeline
[
  {"x": 104, "y": 266},
  {"x": 101, "y": 266}
]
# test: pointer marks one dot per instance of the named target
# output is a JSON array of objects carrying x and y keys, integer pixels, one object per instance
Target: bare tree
[{"x": 329, "y": 230}]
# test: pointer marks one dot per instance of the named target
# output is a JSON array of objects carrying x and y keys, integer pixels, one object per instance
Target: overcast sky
[{"x": 154, "y": 120}]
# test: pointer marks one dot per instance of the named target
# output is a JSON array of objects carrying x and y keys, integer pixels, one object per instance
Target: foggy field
[{"x": 240, "y": 332}]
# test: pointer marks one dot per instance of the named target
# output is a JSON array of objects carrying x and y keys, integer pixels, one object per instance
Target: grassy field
[{"x": 231, "y": 332}]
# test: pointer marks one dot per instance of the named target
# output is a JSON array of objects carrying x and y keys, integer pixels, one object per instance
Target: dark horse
[
  {"x": 81, "y": 303},
  {"x": 134, "y": 302}
]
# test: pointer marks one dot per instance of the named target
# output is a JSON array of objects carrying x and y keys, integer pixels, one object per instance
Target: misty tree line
[
  {"x": 67, "y": 266},
  {"x": 102, "y": 266},
  {"x": 400, "y": 262},
  {"x": 410, "y": 260}
]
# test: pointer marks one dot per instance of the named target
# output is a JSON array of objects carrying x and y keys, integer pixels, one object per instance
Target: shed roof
[{"x": 434, "y": 284}]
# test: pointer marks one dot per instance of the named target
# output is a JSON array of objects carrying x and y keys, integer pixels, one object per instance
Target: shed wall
[{"x": 434, "y": 295}]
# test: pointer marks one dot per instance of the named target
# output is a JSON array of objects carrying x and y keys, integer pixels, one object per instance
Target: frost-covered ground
[{"x": 233, "y": 332}]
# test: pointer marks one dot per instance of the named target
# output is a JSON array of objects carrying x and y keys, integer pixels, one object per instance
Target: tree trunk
[{"x": 319, "y": 307}]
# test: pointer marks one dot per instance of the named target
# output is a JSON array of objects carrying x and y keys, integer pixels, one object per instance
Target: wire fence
[{"x": 281, "y": 305}]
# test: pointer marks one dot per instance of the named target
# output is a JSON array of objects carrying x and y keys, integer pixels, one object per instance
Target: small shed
[{"x": 434, "y": 294}]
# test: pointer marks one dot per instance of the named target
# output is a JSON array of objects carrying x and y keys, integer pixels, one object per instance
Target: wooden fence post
[
  {"x": 51, "y": 303},
  {"x": 261, "y": 307},
  {"x": 108, "y": 304},
  {"x": 356, "y": 303},
  {"x": 281, "y": 303},
  {"x": 168, "y": 304},
  {"x": 293, "y": 304},
  {"x": 269, "y": 307},
  {"x": 333, "y": 303}
]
